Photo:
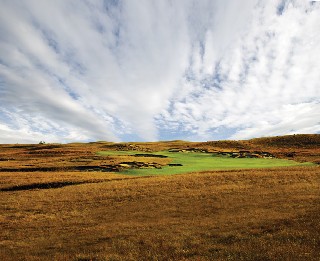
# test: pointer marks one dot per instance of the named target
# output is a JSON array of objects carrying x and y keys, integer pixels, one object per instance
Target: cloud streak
[{"x": 121, "y": 70}]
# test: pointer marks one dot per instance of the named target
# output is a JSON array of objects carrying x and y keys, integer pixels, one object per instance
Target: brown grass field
[{"x": 56, "y": 205}]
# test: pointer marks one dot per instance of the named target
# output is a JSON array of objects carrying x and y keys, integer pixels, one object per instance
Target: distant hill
[
  {"x": 296, "y": 141},
  {"x": 292, "y": 141},
  {"x": 299, "y": 147}
]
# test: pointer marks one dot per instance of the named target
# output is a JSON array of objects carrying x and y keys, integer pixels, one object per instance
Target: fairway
[{"x": 195, "y": 162}]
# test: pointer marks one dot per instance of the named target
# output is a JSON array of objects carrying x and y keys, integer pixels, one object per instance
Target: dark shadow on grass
[
  {"x": 149, "y": 155},
  {"x": 106, "y": 168},
  {"x": 48, "y": 185},
  {"x": 60, "y": 184}
]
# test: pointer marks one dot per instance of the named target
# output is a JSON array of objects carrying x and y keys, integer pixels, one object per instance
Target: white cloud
[
  {"x": 271, "y": 65},
  {"x": 83, "y": 70},
  {"x": 292, "y": 119}
]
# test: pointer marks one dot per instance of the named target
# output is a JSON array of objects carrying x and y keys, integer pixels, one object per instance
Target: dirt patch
[
  {"x": 246, "y": 154},
  {"x": 126, "y": 147},
  {"x": 140, "y": 165},
  {"x": 188, "y": 150},
  {"x": 121, "y": 166},
  {"x": 175, "y": 165},
  {"x": 150, "y": 155}
]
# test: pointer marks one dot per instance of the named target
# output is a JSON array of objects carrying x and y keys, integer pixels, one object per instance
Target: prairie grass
[
  {"x": 237, "y": 214},
  {"x": 262, "y": 214}
]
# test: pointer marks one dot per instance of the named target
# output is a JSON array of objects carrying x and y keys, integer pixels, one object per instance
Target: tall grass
[{"x": 262, "y": 214}]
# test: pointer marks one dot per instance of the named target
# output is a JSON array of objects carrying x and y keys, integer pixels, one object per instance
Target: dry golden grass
[
  {"x": 65, "y": 214},
  {"x": 268, "y": 214},
  {"x": 67, "y": 157}
]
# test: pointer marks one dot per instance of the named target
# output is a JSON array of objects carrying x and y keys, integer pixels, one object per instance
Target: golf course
[
  {"x": 195, "y": 162},
  {"x": 252, "y": 199}
]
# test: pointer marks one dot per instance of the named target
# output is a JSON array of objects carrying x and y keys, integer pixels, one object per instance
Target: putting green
[{"x": 192, "y": 162}]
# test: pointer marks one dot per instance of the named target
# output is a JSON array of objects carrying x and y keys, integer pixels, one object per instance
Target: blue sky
[{"x": 147, "y": 70}]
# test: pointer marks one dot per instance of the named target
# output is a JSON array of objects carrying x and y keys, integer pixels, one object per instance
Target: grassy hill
[
  {"x": 288, "y": 141},
  {"x": 292, "y": 141},
  {"x": 64, "y": 201}
]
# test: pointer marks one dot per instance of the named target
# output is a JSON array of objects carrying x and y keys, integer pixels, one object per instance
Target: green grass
[{"x": 195, "y": 162}]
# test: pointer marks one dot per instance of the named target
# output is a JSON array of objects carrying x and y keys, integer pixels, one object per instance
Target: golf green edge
[{"x": 196, "y": 162}]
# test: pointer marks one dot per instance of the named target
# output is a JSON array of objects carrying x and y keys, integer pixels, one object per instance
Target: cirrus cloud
[{"x": 148, "y": 70}]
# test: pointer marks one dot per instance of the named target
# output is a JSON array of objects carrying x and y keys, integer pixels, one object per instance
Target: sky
[{"x": 148, "y": 70}]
